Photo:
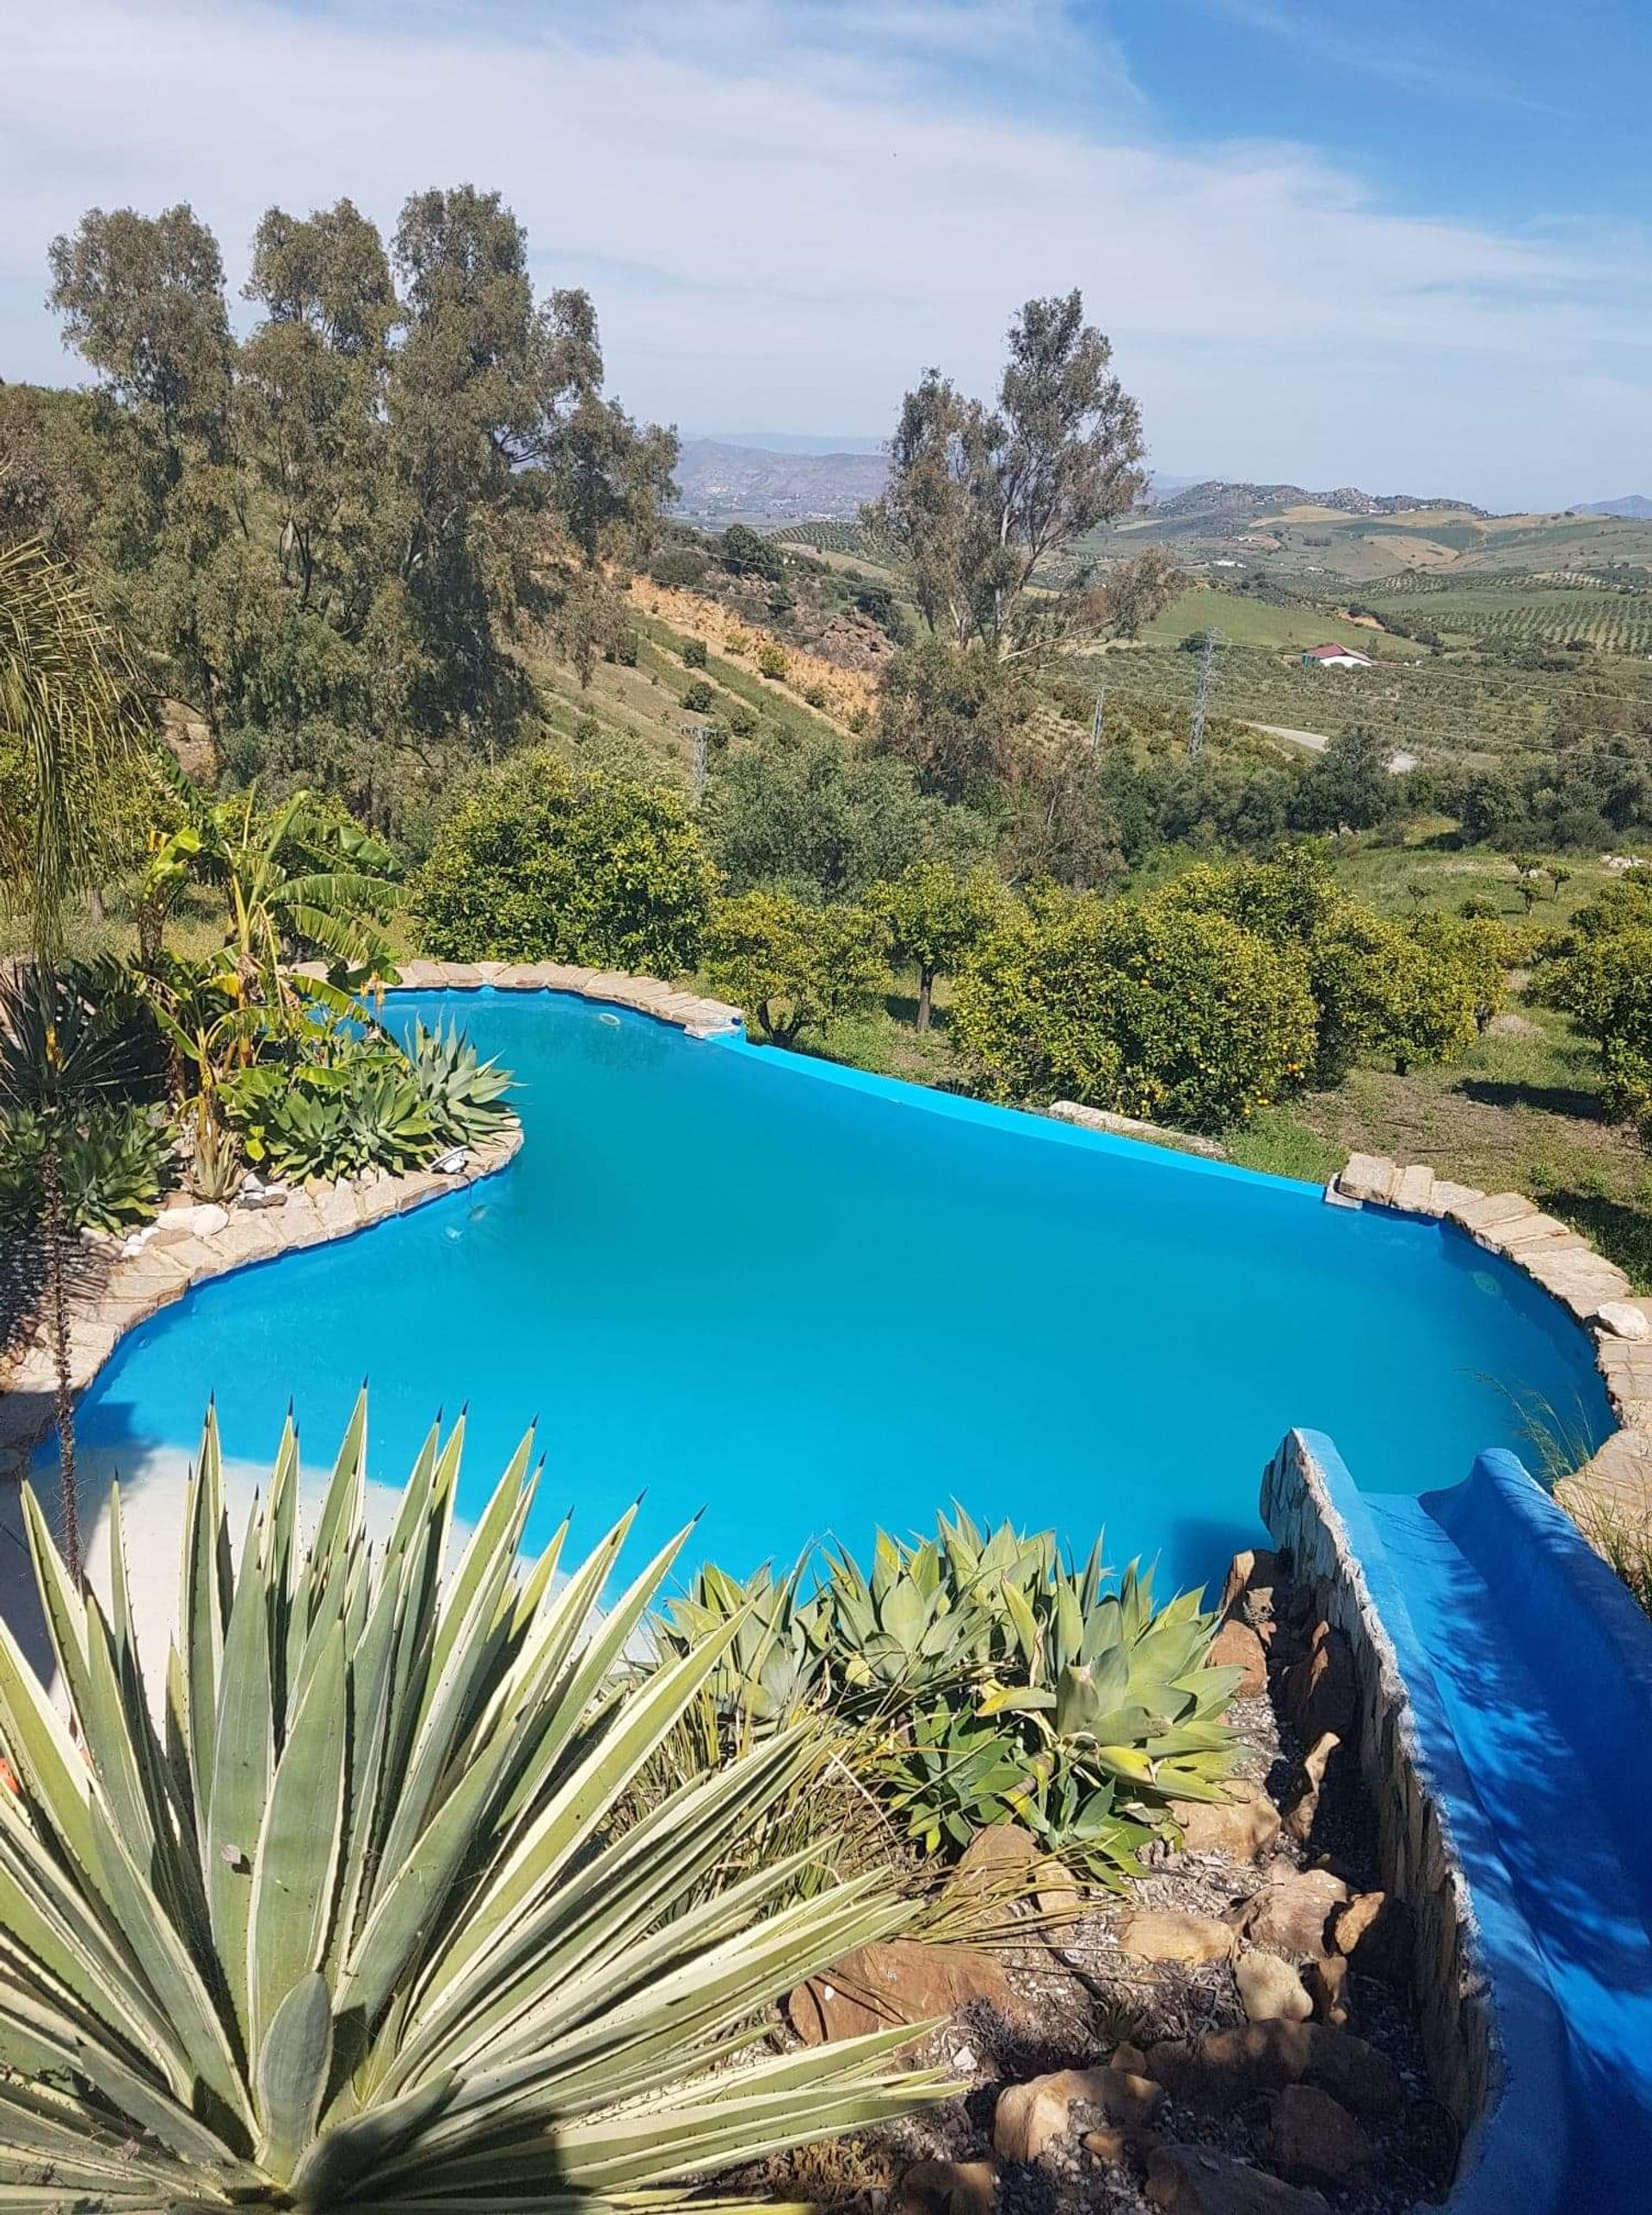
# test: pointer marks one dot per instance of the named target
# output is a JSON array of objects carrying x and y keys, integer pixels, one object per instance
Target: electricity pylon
[{"x": 1202, "y": 695}]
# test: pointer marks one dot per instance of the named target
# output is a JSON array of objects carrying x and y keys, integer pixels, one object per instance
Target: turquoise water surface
[{"x": 809, "y": 1303}]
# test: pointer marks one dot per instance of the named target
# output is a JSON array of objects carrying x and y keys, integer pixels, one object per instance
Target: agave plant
[
  {"x": 984, "y": 1681},
  {"x": 363, "y": 1923},
  {"x": 464, "y": 1095}
]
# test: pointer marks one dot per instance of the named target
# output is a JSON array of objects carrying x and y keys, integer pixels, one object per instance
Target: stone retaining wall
[
  {"x": 114, "y": 1290},
  {"x": 1617, "y": 1481},
  {"x": 1415, "y": 1851}
]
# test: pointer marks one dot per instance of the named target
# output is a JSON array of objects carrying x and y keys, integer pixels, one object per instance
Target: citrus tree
[
  {"x": 540, "y": 865},
  {"x": 936, "y": 915},
  {"x": 793, "y": 967},
  {"x": 1156, "y": 1010}
]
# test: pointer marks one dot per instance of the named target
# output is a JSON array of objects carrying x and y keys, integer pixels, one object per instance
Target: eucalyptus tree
[
  {"x": 981, "y": 499},
  {"x": 332, "y": 535},
  {"x": 72, "y": 744}
]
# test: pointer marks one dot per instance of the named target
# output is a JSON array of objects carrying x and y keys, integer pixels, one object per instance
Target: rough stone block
[
  {"x": 1413, "y": 1188},
  {"x": 1366, "y": 1176},
  {"x": 1496, "y": 1208}
]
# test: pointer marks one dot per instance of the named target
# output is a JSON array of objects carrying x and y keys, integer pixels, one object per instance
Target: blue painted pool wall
[
  {"x": 1584, "y": 1636},
  {"x": 1519, "y": 2156}
]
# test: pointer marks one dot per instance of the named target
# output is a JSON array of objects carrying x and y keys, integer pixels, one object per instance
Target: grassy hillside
[
  {"x": 1428, "y": 704},
  {"x": 1287, "y": 626}
]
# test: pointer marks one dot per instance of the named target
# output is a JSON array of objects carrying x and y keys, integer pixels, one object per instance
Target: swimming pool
[{"x": 807, "y": 1302}]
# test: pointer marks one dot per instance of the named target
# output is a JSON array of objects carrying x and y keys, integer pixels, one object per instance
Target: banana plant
[{"x": 367, "y": 1919}]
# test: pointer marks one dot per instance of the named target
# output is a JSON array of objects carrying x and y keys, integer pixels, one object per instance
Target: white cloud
[{"x": 784, "y": 211}]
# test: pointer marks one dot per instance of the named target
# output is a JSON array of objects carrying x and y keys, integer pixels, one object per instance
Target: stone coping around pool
[
  {"x": 189, "y": 1242},
  {"x": 1617, "y": 1481},
  {"x": 689, "y": 1011},
  {"x": 1128, "y": 1127}
]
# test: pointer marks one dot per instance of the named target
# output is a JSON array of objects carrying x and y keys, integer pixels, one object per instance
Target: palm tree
[{"x": 72, "y": 739}]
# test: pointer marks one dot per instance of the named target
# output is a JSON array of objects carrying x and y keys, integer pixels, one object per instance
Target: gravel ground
[{"x": 1088, "y": 1996}]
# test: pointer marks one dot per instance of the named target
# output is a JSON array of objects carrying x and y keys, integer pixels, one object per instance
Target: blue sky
[{"x": 1405, "y": 246}]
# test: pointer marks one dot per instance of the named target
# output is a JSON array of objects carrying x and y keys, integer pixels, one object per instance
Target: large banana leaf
[{"x": 375, "y": 1922}]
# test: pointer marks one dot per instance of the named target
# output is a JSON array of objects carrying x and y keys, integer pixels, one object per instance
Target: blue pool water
[{"x": 809, "y": 1303}]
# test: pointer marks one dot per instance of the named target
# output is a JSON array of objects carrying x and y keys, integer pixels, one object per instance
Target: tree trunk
[
  {"x": 57, "y": 1295},
  {"x": 926, "y": 992}
]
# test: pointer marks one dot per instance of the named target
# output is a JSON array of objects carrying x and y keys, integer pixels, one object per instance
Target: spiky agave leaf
[{"x": 370, "y": 1922}]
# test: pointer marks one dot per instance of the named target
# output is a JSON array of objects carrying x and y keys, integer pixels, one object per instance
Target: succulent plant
[
  {"x": 464, "y": 1095},
  {"x": 365, "y": 1922},
  {"x": 982, "y": 1681}
]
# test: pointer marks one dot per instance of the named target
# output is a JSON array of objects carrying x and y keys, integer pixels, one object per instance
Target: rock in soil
[
  {"x": 900, "y": 1981},
  {"x": 1271, "y": 1990},
  {"x": 1316, "y": 2140},
  {"x": 1151, "y": 1935},
  {"x": 1236, "y": 1645},
  {"x": 1290, "y": 1914},
  {"x": 1030, "y": 2118},
  {"x": 1244, "y": 1825},
  {"x": 1217, "y": 2073},
  {"x": 1377, "y": 1934},
  {"x": 950, "y": 2188},
  {"x": 1195, "y": 2180}
]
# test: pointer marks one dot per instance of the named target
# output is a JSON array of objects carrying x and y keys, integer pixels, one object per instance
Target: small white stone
[
  {"x": 964, "y": 2061},
  {"x": 1622, "y": 1319}
]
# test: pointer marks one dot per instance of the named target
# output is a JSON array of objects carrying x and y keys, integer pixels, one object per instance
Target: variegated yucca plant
[{"x": 371, "y": 1919}]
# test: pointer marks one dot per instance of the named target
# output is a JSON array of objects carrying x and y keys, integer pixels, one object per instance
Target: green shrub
[
  {"x": 698, "y": 697},
  {"x": 982, "y": 1682},
  {"x": 679, "y": 568},
  {"x": 793, "y": 967},
  {"x": 626, "y": 649},
  {"x": 742, "y": 720},
  {"x": 1154, "y": 1010},
  {"x": 1604, "y": 982},
  {"x": 745, "y": 553},
  {"x": 815, "y": 695},
  {"x": 772, "y": 660},
  {"x": 539, "y": 865},
  {"x": 694, "y": 653},
  {"x": 379, "y": 1924},
  {"x": 115, "y": 1160}
]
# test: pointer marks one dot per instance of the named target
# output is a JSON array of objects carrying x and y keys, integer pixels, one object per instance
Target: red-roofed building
[{"x": 1337, "y": 657}]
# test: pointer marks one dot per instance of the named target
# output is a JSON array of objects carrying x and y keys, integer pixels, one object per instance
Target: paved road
[{"x": 1316, "y": 742}]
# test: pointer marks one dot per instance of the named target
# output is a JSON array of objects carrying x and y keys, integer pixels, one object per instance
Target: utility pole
[
  {"x": 1098, "y": 722},
  {"x": 1202, "y": 695},
  {"x": 702, "y": 734}
]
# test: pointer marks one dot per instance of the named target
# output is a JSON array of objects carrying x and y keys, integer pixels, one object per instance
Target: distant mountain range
[
  {"x": 1634, "y": 505},
  {"x": 1217, "y": 494},
  {"x": 724, "y": 480}
]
